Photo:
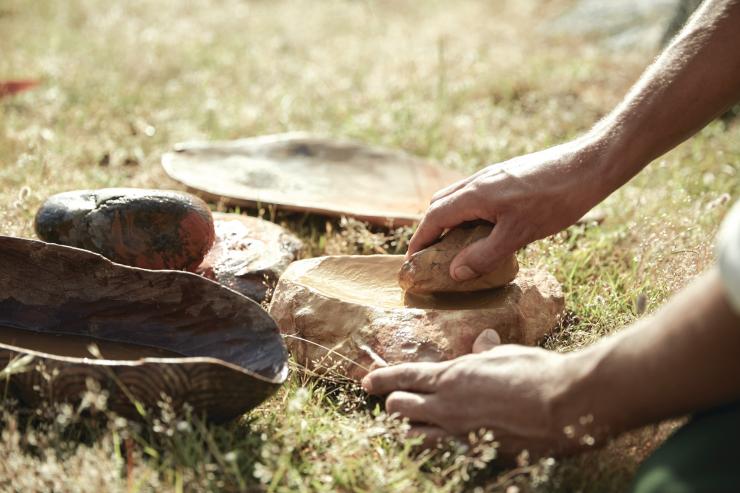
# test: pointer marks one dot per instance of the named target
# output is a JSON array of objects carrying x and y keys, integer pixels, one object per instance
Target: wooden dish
[
  {"x": 311, "y": 174},
  {"x": 158, "y": 332}
]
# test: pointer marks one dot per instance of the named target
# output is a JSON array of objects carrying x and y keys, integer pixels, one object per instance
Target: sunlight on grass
[{"x": 465, "y": 85}]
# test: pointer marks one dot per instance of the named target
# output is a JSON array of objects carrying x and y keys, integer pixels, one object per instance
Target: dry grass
[{"x": 466, "y": 85}]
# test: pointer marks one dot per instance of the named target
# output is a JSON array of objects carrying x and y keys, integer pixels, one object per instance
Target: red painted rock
[
  {"x": 428, "y": 271},
  {"x": 348, "y": 313},
  {"x": 151, "y": 229},
  {"x": 249, "y": 254}
]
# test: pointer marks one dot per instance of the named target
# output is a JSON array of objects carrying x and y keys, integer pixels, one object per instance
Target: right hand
[{"x": 528, "y": 198}]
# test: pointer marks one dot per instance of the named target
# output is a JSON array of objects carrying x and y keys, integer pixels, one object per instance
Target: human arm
[
  {"x": 533, "y": 196},
  {"x": 681, "y": 360}
]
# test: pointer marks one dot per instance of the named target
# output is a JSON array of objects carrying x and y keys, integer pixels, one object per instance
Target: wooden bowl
[
  {"x": 311, "y": 174},
  {"x": 157, "y": 332}
]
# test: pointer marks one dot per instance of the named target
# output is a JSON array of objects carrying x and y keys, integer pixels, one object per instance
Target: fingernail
[
  {"x": 492, "y": 336},
  {"x": 464, "y": 273}
]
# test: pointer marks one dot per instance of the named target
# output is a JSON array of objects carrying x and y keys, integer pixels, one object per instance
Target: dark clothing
[{"x": 702, "y": 456}]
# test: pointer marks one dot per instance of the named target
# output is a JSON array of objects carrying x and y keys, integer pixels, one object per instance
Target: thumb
[
  {"x": 488, "y": 339},
  {"x": 484, "y": 255}
]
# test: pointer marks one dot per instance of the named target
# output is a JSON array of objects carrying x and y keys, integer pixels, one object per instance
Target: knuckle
[
  {"x": 395, "y": 403},
  {"x": 488, "y": 261},
  {"x": 406, "y": 377},
  {"x": 433, "y": 213},
  {"x": 475, "y": 188},
  {"x": 437, "y": 195}
]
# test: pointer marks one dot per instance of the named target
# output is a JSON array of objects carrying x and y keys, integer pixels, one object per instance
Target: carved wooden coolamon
[
  {"x": 307, "y": 173},
  {"x": 156, "y": 332}
]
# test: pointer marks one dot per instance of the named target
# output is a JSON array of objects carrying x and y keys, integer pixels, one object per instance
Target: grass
[{"x": 465, "y": 85}]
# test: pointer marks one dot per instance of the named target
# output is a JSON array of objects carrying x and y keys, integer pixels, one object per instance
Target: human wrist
[
  {"x": 610, "y": 162},
  {"x": 620, "y": 151},
  {"x": 585, "y": 407}
]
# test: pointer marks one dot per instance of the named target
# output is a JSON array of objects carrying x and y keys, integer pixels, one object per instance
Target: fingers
[
  {"x": 458, "y": 185},
  {"x": 484, "y": 255},
  {"x": 486, "y": 340},
  {"x": 440, "y": 194},
  {"x": 444, "y": 214},
  {"x": 414, "y": 377},
  {"x": 432, "y": 435},
  {"x": 415, "y": 407}
]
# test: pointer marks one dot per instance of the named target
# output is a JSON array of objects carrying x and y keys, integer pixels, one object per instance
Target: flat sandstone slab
[
  {"x": 350, "y": 308},
  {"x": 311, "y": 174}
]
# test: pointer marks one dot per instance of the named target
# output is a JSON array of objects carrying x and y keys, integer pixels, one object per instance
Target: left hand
[{"x": 512, "y": 390}]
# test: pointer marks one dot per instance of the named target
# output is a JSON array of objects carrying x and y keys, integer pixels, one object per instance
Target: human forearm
[
  {"x": 533, "y": 196},
  {"x": 683, "y": 359},
  {"x": 694, "y": 80}
]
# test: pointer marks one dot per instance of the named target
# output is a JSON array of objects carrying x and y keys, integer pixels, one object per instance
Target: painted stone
[
  {"x": 348, "y": 313},
  {"x": 311, "y": 174},
  {"x": 428, "y": 271},
  {"x": 151, "y": 229},
  {"x": 249, "y": 254}
]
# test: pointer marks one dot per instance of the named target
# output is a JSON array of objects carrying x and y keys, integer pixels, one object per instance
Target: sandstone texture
[
  {"x": 249, "y": 254},
  {"x": 348, "y": 313},
  {"x": 428, "y": 271},
  {"x": 152, "y": 229}
]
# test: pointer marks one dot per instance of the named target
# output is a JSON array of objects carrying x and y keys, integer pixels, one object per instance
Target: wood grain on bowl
[{"x": 158, "y": 332}]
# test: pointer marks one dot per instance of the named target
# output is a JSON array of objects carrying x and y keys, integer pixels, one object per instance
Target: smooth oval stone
[
  {"x": 428, "y": 270},
  {"x": 152, "y": 229}
]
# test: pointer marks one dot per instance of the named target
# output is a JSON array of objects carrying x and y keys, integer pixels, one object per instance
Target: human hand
[
  {"x": 515, "y": 391},
  {"x": 528, "y": 198}
]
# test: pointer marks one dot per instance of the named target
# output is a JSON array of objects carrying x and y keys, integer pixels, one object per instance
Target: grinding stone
[{"x": 340, "y": 308}]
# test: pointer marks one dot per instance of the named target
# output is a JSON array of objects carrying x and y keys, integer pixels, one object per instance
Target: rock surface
[
  {"x": 348, "y": 313},
  {"x": 311, "y": 174},
  {"x": 428, "y": 271},
  {"x": 152, "y": 229},
  {"x": 249, "y": 254}
]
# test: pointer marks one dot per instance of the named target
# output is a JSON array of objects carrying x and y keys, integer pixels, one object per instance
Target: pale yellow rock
[
  {"x": 350, "y": 314},
  {"x": 428, "y": 271}
]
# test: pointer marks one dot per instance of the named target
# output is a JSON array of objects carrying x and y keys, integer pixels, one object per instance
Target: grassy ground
[{"x": 466, "y": 85}]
